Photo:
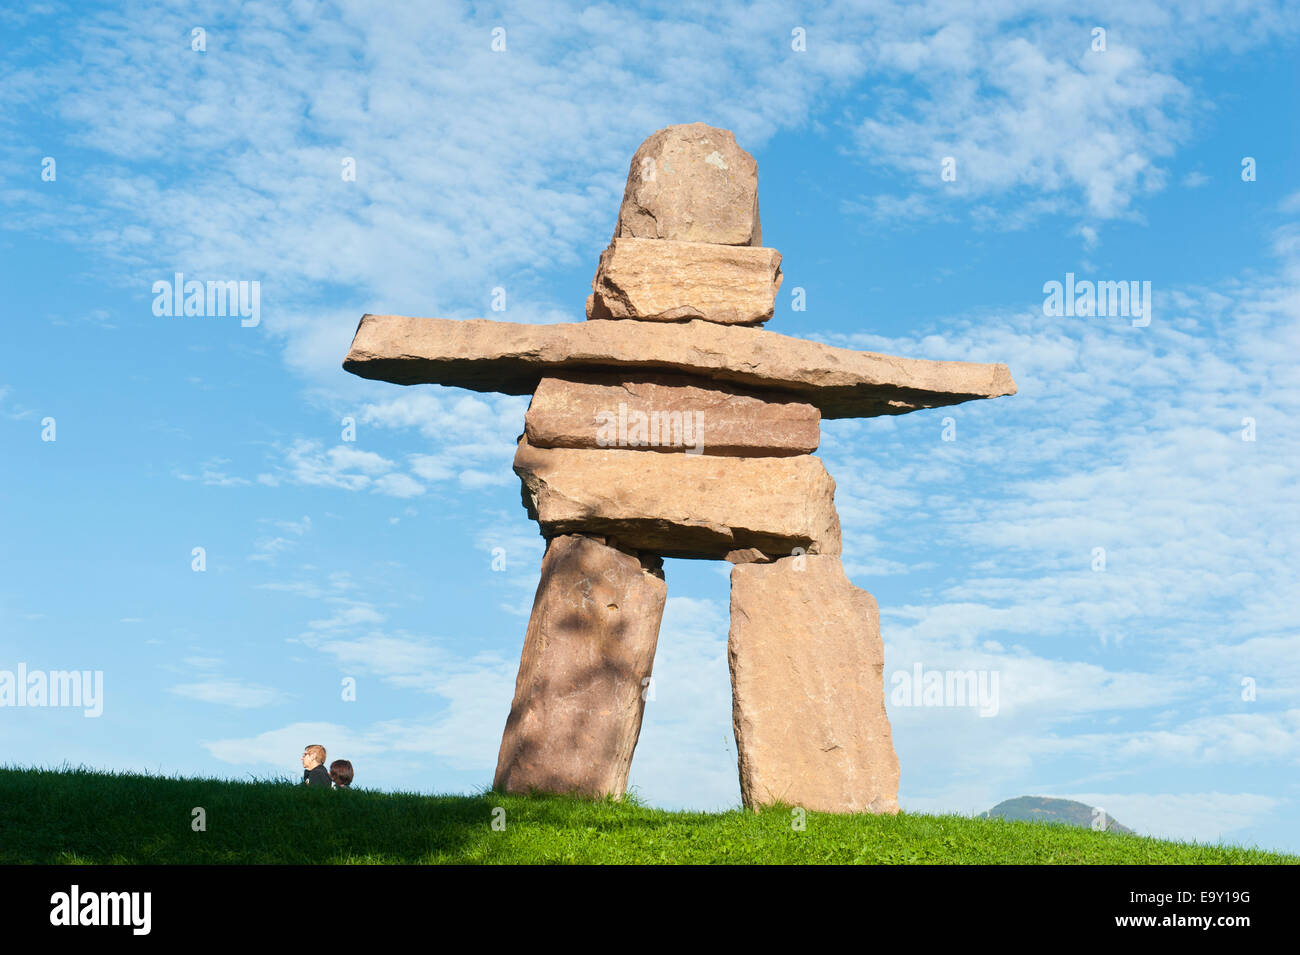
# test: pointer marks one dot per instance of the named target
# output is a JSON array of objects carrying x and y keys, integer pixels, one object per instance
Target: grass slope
[{"x": 76, "y": 816}]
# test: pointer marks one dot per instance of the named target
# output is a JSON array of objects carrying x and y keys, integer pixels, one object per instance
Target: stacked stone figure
[{"x": 670, "y": 425}]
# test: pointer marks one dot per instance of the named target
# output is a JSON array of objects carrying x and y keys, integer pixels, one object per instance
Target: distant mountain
[{"x": 1064, "y": 812}]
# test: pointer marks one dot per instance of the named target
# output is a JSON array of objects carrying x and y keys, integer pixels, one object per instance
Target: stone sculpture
[{"x": 670, "y": 425}]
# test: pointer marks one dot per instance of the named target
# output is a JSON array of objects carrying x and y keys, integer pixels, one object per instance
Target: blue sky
[{"x": 476, "y": 169}]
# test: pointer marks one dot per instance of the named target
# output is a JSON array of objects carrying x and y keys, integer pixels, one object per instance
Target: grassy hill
[
  {"x": 75, "y": 816},
  {"x": 1065, "y": 812}
]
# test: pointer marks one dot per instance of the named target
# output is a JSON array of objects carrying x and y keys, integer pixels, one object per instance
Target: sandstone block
[
  {"x": 679, "y": 281},
  {"x": 513, "y": 357},
  {"x": 746, "y": 555},
  {"x": 808, "y": 699},
  {"x": 691, "y": 183},
  {"x": 668, "y": 414},
  {"x": 682, "y": 505},
  {"x": 590, "y": 645}
]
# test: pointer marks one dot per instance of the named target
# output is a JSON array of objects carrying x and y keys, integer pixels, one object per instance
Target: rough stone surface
[
  {"x": 668, "y": 414},
  {"x": 747, "y": 555},
  {"x": 679, "y": 281},
  {"x": 808, "y": 699},
  {"x": 692, "y": 183},
  {"x": 589, "y": 648},
  {"x": 512, "y": 358},
  {"x": 682, "y": 505}
]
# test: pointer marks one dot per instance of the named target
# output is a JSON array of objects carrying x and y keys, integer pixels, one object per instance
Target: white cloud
[
  {"x": 431, "y": 467},
  {"x": 398, "y": 485},
  {"x": 1198, "y": 816},
  {"x": 211, "y": 473},
  {"x": 225, "y": 692},
  {"x": 1059, "y": 121},
  {"x": 297, "y": 528},
  {"x": 282, "y": 747},
  {"x": 266, "y": 548},
  {"x": 473, "y": 478},
  {"x": 306, "y": 462},
  {"x": 347, "y": 614},
  {"x": 345, "y": 467}
]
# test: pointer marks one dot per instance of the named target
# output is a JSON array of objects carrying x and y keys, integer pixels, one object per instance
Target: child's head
[
  {"x": 341, "y": 773},
  {"x": 313, "y": 756}
]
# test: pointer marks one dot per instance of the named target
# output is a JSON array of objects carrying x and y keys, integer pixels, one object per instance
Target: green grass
[{"x": 77, "y": 816}]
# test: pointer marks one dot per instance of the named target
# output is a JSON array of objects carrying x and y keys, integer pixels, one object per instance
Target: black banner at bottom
[{"x": 363, "y": 904}]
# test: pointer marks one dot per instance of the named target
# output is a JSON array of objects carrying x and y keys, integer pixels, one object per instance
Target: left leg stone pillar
[{"x": 588, "y": 651}]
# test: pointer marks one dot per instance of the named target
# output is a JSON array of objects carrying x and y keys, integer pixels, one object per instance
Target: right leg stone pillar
[
  {"x": 587, "y": 656},
  {"x": 808, "y": 696}
]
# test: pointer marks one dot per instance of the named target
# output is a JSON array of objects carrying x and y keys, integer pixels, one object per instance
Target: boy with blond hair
[{"x": 313, "y": 767}]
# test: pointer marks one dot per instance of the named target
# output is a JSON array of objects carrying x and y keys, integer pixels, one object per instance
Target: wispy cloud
[
  {"x": 229, "y": 692},
  {"x": 212, "y": 472}
]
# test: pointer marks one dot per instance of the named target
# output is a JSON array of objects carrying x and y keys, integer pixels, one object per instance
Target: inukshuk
[{"x": 670, "y": 425}]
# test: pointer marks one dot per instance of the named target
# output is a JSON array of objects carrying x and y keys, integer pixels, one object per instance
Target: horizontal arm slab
[{"x": 512, "y": 358}]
